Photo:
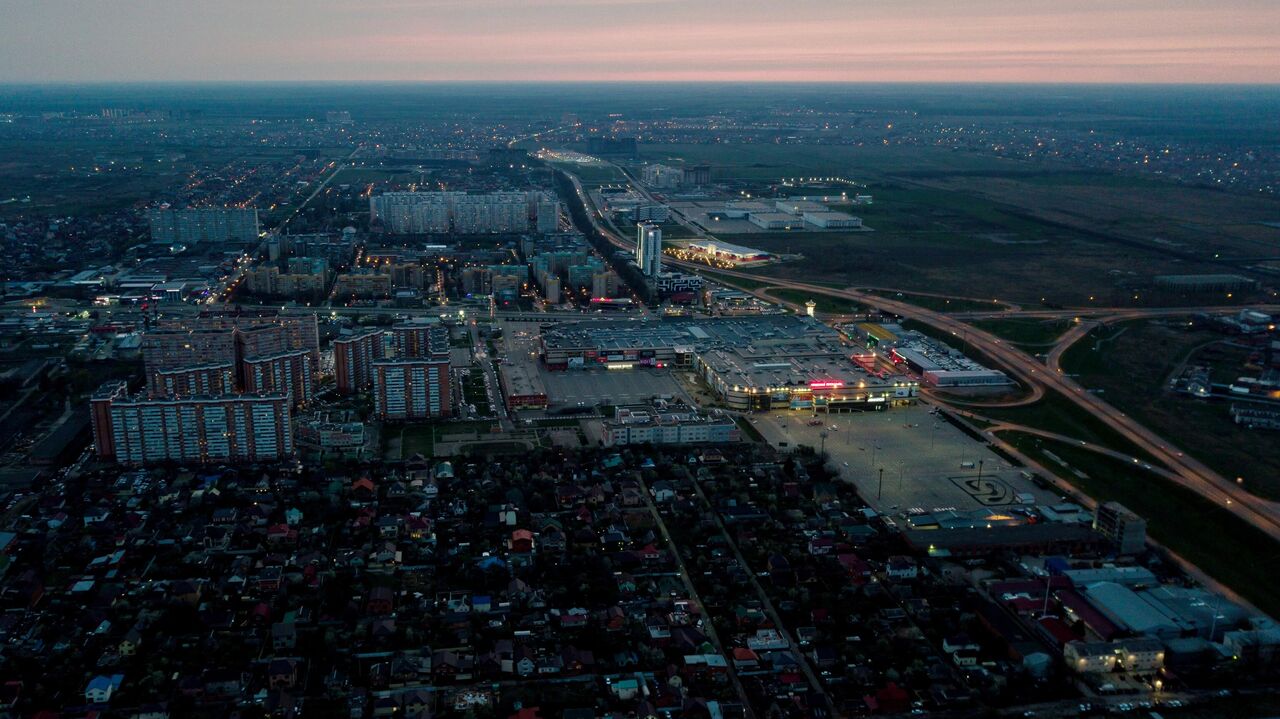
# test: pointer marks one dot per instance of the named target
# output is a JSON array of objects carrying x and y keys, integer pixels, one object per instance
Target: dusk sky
[{"x": 565, "y": 40}]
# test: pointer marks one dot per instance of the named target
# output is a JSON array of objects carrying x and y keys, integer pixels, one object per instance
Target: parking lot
[{"x": 928, "y": 463}]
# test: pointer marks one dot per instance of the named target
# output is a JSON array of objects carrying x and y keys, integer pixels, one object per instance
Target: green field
[
  {"x": 1033, "y": 334},
  {"x": 592, "y": 175},
  {"x": 825, "y": 303},
  {"x": 1132, "y": 368},
  {"x": 1203, "y": 533},
  {"x": 1055, "y": 414},
  {"x": 422, "y": 438},
  {"x": 961, "y": 224},
  {"x": 941, "y": 304}
]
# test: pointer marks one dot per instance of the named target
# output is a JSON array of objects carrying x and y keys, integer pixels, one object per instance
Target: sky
[{"x": 1093, "y": 41}]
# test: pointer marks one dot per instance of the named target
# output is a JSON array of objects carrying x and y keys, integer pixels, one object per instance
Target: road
[
  {"x": 480, "y": 355},
  {"x": 1192, "y": 474},
  {"x": 710, "y": 625},
  {"x": 244, "y": 265}
]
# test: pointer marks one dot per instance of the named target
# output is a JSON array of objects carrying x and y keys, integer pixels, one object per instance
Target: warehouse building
[
  {"x": 773, "y": 220},
  {"x": 832, "y": 220}
]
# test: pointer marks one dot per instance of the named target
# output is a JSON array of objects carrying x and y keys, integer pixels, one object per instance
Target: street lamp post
[{"x": 880, "y": 487}]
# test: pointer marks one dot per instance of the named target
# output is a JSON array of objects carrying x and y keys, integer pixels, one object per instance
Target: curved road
[{"x": 1194, "y": 475}]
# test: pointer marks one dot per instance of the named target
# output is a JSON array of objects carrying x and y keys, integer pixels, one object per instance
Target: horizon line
[{"x": 794, "y": 83}]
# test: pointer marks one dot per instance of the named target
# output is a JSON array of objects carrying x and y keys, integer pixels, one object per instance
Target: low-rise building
[{"x": 663, "y": 423}]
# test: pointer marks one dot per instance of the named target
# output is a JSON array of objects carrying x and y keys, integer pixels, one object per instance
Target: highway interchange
[{"x": 1038, "y": 377}]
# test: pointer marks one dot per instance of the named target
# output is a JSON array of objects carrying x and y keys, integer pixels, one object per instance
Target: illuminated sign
[{"x": 826, "y": 384}]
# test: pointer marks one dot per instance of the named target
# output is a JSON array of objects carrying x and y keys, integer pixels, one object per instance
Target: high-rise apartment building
[
  {"x": 284, "y": 373},
  {"x": 227, "y": 428},
  {"x": 353, "y": 358},
  {"x": 548, "y": 214},
  {"x": 649, "y": 249},
  {"x": 411, "y": 389},
  {"x": 197, "y": 225},
  {"x": 438, "y": 212},
  {"x": 604, "y": 284},
  {"x": 420, "y": 339},
  {"x": 300, "y": 331},
  {"x": 181, "y": 348},
  {"x": 207, "y": 379}
]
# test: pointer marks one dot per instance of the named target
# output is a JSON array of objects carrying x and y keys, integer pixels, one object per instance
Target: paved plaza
[{"x": 928, "y": 463}]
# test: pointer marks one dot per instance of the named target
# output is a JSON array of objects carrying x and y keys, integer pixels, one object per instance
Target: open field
[
  {"x": 422, "y": 438},
  {"x": 1029, "y": 333},
  {"x": 1131, "y": 370},
  {"x": 958, "y": 223},
  {"x": 853, "y": 162},
  {"x": 942, "y": 243},
  {"x": 825, "y": 303},
  {"x": 1200, "y": 221},
  {"x": 366, "y": 175},
  {"x": 89, "y": 175},
  {"x": 592, "y": 175},
  {"x": 1210, "y": 537},
  {"x": 1055, "y": 414}
]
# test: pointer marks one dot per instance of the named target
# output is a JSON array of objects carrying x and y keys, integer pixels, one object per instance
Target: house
[
  {"x": 151, "y": 711},
  {"x": 663, "y": 491},
  {"x": 416, "y": 703},
  {"x": 381, "y": 601},
  {"x": 101, "y": 688},
  {"x": 626, "y": 689},
  {"x": 282, "y": 673},
  {"x": 902, "y": 567},
  {"x": 744, "y": 658},
  {"x": 521, "y": 541},
  {"x": 821, "y": 545},
  {"x": 284, "y": 635},
  {"x": 128, "y": 646}
]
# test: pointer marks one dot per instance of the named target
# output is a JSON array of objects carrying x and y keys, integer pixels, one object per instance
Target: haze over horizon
[{"x": 1037, "y": 41}]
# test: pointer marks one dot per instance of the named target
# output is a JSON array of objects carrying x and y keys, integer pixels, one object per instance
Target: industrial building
[
  {"x": 756, "y": 363},
  {"x": 1126, "y": 530},
  {"x": 797, "y": 207},
  {"x": 773, "y": 220},
  {"x": 828, "y": 220}
]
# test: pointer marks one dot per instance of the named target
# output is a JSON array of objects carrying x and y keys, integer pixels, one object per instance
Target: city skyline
[{"x": 1194, "y": 41}]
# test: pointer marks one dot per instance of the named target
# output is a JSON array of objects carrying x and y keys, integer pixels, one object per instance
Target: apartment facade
[
  {"x": 411, "y": 389},
  {"x": 227, "y": 428},
  {"x": 353, "y": 359}
]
